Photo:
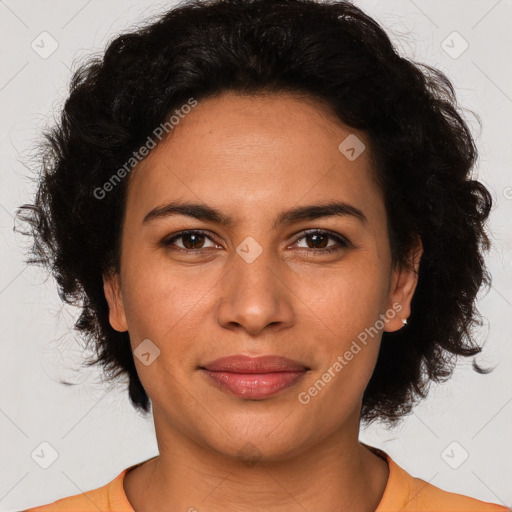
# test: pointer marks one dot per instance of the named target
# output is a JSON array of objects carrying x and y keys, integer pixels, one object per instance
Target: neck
[{"x": 337, "y": 474}]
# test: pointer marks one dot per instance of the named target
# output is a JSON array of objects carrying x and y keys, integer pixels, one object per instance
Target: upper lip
[{"x": 261, "y": 364}]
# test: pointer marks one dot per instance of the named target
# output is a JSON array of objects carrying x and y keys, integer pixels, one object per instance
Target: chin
[{"x": 251, "y": 443}]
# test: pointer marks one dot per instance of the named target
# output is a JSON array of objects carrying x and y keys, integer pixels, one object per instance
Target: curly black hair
[{"x": 332, "y": 51}]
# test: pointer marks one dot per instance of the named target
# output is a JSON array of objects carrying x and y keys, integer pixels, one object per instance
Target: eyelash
[{"x": 343, "y": 243}]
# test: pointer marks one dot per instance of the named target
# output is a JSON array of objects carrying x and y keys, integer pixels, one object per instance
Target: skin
[{"x": 252, "y": 157}]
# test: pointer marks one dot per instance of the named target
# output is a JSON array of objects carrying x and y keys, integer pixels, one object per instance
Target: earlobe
[
  {"x": 114, "y": 296},
  {"x": 405, "y": 279}
]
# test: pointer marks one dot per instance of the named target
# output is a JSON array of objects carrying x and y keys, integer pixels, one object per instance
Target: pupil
[
  {"x": 316, "y": 238},
  {"x": 193, "y": 245}
]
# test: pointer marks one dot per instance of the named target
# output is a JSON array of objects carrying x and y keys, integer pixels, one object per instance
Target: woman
[{"x": 267, "y": 217}]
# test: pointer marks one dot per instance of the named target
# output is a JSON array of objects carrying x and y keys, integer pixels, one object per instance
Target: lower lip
[{"x": 254, "y": 386}]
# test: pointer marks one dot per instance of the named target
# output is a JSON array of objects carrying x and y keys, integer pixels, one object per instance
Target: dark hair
[{"x": 330, "y": 51}]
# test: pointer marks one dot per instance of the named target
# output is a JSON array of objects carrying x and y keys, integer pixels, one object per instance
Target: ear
[
  {"x": 403, "y": 285},
  {"x": 114, "y": 296}
]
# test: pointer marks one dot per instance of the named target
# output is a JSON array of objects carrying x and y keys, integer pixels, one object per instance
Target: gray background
[{"x": 91, "y": 426}]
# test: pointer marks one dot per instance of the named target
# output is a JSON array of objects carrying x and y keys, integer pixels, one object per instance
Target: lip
[
  {"x": 260, "y": 364},
  {"x": 254, "y": 378}
]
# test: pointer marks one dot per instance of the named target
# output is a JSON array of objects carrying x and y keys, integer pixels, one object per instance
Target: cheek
[
  {"x": 346, "y": 307},
  {"x": 347, "y": 298},
  {"x": 167, "y": 304}
]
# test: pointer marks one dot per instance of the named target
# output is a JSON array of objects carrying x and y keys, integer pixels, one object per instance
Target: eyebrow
[{"x": 207, "y": 213}]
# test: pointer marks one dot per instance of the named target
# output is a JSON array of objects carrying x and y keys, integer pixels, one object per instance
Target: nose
[{"x": 255, "y": 296}]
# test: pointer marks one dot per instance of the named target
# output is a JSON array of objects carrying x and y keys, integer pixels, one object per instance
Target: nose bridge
[{"x": 253, "y": 273}]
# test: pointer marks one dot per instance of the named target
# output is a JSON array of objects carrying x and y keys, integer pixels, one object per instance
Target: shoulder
[
  {"x": 407, "y": 493},
  {"x": 428, "y": 497},
  {"x": 107, "y": 498}
]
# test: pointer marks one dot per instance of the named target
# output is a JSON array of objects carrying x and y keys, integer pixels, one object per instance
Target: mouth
[{"x": 254, "y": 378}]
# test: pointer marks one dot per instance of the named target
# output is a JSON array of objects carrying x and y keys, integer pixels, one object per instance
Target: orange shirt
[{"x": 403, "y": 493}]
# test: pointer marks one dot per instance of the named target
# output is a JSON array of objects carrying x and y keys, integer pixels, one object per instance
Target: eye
[
  {"x": 319, "y": 241},
  {"x": 192, "y": 240}
]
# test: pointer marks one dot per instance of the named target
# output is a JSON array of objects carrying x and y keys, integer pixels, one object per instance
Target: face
[{"x": 305, "y": 287}]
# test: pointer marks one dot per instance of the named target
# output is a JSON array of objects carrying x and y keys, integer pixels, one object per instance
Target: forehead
[{"x": 260, "y": 150}]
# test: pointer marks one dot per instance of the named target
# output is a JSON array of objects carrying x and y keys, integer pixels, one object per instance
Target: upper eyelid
[{"x": 302, "y": 234}]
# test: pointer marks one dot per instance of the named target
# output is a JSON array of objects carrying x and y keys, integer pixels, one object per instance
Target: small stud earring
[{"x": 404, "y": 321}]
